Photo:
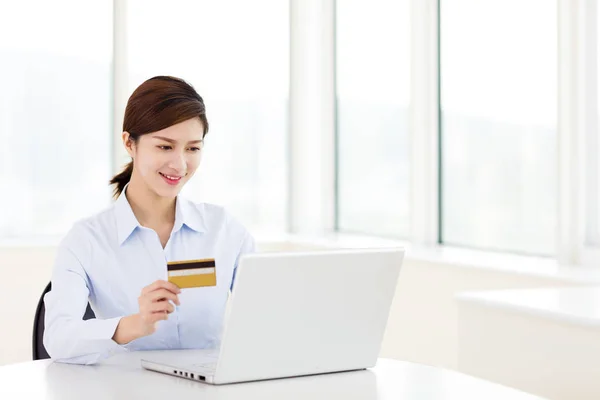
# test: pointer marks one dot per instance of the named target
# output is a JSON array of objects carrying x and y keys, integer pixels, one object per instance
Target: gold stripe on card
[{"x": 191, "y": 281}]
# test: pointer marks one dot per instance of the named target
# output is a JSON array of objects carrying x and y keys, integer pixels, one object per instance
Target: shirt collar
[
  {"x": 185, "y": 214},
  {"x": 188, "y": 214}
]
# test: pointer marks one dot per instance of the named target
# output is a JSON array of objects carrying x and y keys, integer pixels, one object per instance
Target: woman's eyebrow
[
  {"x": 174, "y": 141},
  {"x": 164, "y": 138}
]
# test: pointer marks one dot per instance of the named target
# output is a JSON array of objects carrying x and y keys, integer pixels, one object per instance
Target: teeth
[{"x": 173, "y": 178}]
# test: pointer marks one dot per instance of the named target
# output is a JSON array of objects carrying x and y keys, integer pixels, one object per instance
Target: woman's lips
[{"x": 171, "y": 179}]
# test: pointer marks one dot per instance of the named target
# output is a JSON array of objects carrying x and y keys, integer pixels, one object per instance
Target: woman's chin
[{"x": 167, "y": 191}]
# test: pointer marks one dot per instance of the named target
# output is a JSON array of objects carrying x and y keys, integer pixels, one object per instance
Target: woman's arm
[
  {"x": 67, "y": 337},
  {"x": 154, "y": 305}
]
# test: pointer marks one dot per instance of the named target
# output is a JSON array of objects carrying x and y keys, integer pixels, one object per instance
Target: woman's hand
[{"x": 154, "y": 305}]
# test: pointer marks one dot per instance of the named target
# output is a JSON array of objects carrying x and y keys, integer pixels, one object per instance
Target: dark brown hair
[{"x": 156, "y": 104}]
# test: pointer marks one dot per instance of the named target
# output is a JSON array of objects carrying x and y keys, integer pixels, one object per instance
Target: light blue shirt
[{"x": 109, "y": 258}]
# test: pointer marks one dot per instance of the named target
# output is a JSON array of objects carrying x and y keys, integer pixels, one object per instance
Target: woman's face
[{"x": 165, "y": 160}]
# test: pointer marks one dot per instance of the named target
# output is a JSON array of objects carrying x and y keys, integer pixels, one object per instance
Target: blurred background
[{"x": 462, "y": 130}]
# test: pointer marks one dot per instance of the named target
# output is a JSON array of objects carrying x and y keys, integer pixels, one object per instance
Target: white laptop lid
[{"x": 294, "y": 314}]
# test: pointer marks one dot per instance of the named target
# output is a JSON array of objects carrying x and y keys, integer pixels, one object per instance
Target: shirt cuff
[{"x": 98, "y": 343}]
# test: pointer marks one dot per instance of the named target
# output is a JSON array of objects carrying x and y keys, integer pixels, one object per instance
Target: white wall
[{"x": 423, "y": 325}]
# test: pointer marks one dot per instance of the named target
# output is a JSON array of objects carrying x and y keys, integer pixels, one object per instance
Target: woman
[{"x": 118, "y": 258}]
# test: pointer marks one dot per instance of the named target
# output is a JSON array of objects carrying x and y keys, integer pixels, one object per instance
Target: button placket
[
  {"x": 168, "y": 254},
  {"x": 159, "y": 260}
]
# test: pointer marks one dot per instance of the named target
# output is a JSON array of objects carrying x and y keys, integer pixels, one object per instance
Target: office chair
[{"x": 38, "y": 349}]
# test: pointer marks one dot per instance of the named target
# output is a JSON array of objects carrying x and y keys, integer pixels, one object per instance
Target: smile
[{"x": 171, "y": 179}]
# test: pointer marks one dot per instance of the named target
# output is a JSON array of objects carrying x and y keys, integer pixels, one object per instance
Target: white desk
[{"x": 121, "y": 377}]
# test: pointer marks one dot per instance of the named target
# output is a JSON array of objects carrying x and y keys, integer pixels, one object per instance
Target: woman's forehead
[{"x": 186, "y": 131}]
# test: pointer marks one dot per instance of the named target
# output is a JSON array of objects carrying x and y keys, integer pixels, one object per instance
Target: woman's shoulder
[{"x": 87, "y": 228}]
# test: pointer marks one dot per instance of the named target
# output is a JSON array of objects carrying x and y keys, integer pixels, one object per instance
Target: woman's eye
[
  {"x": 194, "y": 149},
  {"x": 164, "y": 147}
]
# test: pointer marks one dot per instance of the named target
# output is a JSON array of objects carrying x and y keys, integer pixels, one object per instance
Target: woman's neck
[{"x": 150, "y": 210}]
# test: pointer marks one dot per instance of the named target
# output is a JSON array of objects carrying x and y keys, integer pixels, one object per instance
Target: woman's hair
[{"x": 156, "y": 104}]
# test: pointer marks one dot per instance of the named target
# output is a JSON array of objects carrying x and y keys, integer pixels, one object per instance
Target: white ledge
[{"x": 576, "y": 305}]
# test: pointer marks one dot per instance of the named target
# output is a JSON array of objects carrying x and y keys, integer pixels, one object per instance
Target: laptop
[{"x": 296, "y": 314}]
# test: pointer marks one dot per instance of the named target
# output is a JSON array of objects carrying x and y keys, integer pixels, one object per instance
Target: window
[
  {"x": 589, "y": 112},
  {"x": 372, "y": 82},
  {"x": 236, "y": 55},
  {"x": 55, "y": 114},
  {"x": 498, "y": 124},
  {"x": 593, "y": 136}
]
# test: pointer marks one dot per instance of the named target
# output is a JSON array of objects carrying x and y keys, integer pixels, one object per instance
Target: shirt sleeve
[
  {"x": 67, "y": 337},
  {"x": 248, "y": 247}
]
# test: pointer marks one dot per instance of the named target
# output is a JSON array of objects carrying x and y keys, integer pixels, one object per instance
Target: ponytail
[{"x": 122, "y": 179}]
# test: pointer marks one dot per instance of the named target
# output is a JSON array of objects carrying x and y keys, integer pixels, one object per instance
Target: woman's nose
[{"x": 178, "y": 162}]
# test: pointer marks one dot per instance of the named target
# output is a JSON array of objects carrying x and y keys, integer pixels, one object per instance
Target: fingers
[
  {"x": 162, "y": 294},
  {"x": 155, "y": 317},
  {"x": 155, "y": 301},
  {"x": 160, "y": 284},
  {"x": 157, "y": 311},
  {"x": 161, "y": 306}
]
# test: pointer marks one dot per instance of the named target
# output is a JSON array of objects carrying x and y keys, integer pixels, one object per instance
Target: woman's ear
[{"x": 128, "y": 143}]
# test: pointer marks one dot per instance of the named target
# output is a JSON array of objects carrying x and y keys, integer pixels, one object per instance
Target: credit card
[{"x": 192, "y": 273}]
